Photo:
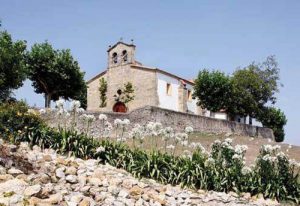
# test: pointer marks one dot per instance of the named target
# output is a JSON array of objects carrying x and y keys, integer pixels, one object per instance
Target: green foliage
[
  {"x": 213, "y": 90},
  {"x": 54, "y": 73},
  {"x": 16, "y": 119},
  {"x": 81, "y": 96},
  {"x": 275, "y": 119},
  {"x": 125, "y": 94},
  {"x": 222, "y": 170},
  {"x": 103, "y": 91},
  {"x": 12, "y": 68}
]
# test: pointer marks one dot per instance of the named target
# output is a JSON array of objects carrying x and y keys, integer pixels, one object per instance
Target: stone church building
[{"x": 152, "y": 86}]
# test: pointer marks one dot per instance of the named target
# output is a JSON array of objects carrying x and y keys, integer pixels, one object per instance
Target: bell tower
[{"x": 120, "y": 54}]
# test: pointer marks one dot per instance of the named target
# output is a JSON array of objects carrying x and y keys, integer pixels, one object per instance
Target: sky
[{"x": 181, "y": 37}]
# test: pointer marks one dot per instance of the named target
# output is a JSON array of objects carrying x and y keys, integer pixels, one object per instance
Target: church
[{"x": 152, "y": 86}]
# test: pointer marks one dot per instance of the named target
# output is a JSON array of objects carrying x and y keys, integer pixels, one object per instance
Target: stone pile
[{"x": 58, "y": 180}]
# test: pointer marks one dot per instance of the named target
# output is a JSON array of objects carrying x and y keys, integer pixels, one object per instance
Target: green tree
[
  {"x": 254, "y": 87},
  {"x": 12, "y": 68},
  {"x": 54, "y": 73},
  {"x": 103, "y": 91},
  {"x": 213, "y": 90},
  {"x": 275, "y": 119}
]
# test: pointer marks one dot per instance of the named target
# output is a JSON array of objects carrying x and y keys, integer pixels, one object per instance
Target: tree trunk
[{"x": 47, "y": 100}]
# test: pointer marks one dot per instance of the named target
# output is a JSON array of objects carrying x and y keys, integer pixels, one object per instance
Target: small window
[
  {"x": 115, "y": 58},
  {"x": 189, "y": 95},
  {"x": 169, "y": 89},
  {"x": 124, "y": 55}
]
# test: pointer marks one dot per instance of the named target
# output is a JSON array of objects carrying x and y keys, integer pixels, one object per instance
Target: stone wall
[{"x": 179, "y": 121}]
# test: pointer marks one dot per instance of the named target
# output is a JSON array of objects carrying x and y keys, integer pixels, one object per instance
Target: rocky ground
[{"x": 36, "y": 177}]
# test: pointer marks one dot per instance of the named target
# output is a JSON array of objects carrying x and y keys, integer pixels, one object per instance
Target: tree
[
  {"x": 12, "y": 68},
  {"x": 54, "y": 73},
  {"x": 213, "y": 90},
  {"x": 275, "y": 119},
  {"x": 103, "y": 91},
  {"x": 254, "y": 87},
  {"x": 82, "y": 97},
  {"x": 125, "y": 94}
]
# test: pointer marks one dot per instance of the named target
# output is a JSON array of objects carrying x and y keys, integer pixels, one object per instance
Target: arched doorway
[{"x": 120, "y": 107}]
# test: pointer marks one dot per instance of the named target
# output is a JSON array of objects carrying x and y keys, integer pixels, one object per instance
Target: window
[
  {"x": 169, "y": 89},
  {"x": 115, "y": 58},
  {"x": 189, "y": 95},
  {"x": 124, "y": 55}
]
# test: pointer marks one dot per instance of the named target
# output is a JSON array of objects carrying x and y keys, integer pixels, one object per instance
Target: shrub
[{"x": 16, "y": 118}]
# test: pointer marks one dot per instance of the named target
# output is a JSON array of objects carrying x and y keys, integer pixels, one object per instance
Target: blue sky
[{"x": 180, "y": 37}]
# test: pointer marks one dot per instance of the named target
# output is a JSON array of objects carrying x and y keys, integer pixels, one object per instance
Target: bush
[{"x": 16, "y": 118}]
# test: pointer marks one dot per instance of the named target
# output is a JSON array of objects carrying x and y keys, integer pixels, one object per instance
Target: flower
[
  {"x": 42, "y": 111},
  {"x": 75, "y": 105},
  {"x": 117, "y": 122},
  {"x": 102, "y": 117},
  {"x": 60, "y": 103},
  {"x": 189, "y": 130},
  {"x": 237, "y": 157},
  {"x": 170, "y": 147},
  {"x": 246, "y": 170},
  {"x": 240, "y": 149},
  {"x": 184, "y": 143},
  {"x": 228, "y": 140},
  {"x": 209, "y": 162},
  {"x": 126, "y": 122},
  {"x": 100, "y": 149}
]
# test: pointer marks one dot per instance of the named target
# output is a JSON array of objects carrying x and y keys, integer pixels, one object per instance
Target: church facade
[{"x": 152, "y": 86}]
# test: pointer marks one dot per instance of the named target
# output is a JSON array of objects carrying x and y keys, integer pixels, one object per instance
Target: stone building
[{"x": 152, "y": 86}]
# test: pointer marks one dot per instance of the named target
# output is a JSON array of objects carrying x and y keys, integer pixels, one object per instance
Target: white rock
[
  {"x": 32, "y": 190},
  {"x": 71, "y": 179},
  {"x": 14, "y": 171},
  {"x": 14, "y": 185},
  {"x": 60, "y": 173}
]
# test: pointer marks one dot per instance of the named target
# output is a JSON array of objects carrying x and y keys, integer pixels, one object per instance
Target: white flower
[
  {"x": 209, "y": 162},
  {"x": 276, "y": 147},
  {"x": 60, "y": 103},
  {"x": 102, "y": 117},
  {"x": 117, "y": 122},
  {"x": 267, "y": 148},
  {"x": 126, "y": 122},
  {"x": 184, "y": 143},
  {"x": 75, "y": 105},
  {"x": 89, "y": 117},
  {"x": 170, "y": 147},
  {"x": 246, "y": 170},
  {"x": 80, "y": 110},
  {"x": 42, "y": 111},
  {"x": 237, "y": 157},
  {"x": 189, "y": 130},
  {"x": 228, "y": 140},
  {"x": 290, "y": 146},
  {"x": 240, "y": 149},
  {"x": 281, "y": 155},
  {"x": 100, "y": 149}
]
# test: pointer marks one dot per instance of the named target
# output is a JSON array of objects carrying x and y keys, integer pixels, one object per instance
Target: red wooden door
[{"x": 120, "y": 107}]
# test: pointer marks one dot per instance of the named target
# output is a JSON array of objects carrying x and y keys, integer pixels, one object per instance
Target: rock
[
  {"x": 71, "y": 179},
  {"x": 15, "y": 199},
  {"x": 5, "y": 177},
  {"x": 14, "y": 171},
  {"x": 94, "y": 181},
  {"x": 2, "y": 170},
  {"x": 60, "y": 173},
  {"x": 32, "y": 190},
  {"x": 123, "y": 194},
  {"x": 85, "y": 202},
  {"x": 47, "y": 190},
  {"x": 47, "y": 158},
  {"x": 14, "y": 185},
  {"x": 135, "y": 190},
  {"x": 71, "y": 171}
]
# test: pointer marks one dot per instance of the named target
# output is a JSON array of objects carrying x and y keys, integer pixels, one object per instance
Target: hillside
[{"x": 36, "y": 177}]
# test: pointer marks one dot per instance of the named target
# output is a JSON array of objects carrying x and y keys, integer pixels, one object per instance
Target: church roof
[{"x": 120, "y": 42}]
